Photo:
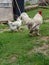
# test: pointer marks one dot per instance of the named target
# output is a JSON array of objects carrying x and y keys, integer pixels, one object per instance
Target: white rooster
[
  {"x": 38, "y": 20},
  {"x": 33, "y": 23},
  {"x": 26, "y": 18},
  {"x": 15, "y": 25}
]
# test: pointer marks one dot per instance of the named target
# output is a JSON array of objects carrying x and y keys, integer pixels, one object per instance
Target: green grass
[
  {"x": 27, "y": 4},
  {"x": 18, "y": 44},
  {"x": 44, "y": 29},
  {"x": 3, "y": 26},
  {"x": 45, "y": 13}
]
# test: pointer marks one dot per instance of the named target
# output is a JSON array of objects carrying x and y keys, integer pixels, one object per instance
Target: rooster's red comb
[{"x": 40, "y": 12}]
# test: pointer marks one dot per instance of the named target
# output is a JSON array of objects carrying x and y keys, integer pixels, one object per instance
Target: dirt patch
[
  {"x": 3, "y": 30},
  {"x": 45, "y": 38},
  {"x": 12, "y": 58},
  {"x": 1, "y": 60},
  {"x": 43, "y": 49},
  {"x": 47, "y": 20}
]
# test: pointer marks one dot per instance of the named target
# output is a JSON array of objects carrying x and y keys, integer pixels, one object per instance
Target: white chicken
[
  {"x": 26, "y": 18},
  {"x": 38, "y": 20},
  {"x": 15, "y": 25},
  {"x": 33, "y": 23}
]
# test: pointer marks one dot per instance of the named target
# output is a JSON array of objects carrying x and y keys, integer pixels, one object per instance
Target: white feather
[
  {"x": 15, "y": 24},
  {"x": 37, "y": 19}
]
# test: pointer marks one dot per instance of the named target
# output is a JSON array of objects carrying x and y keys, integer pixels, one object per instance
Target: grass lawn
[
  {"x": 18, "y": 48},
  {"x": 45, "y": 13}
]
